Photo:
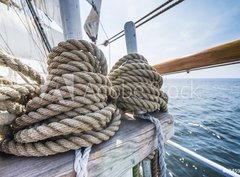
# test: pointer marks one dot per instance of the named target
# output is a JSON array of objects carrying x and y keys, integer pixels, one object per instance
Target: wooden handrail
[{"x": 228, "y": 53}]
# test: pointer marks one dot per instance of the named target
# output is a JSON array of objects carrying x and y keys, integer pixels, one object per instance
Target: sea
[{"x": 207, "y": 121}]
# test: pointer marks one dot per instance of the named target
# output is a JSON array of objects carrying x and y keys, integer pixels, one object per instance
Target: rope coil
[
  {"x": 137, "y": 85},
  {"x": 67, "y": 115},
  {"x": 79, "y": 104},
  {"x": 13, "y": 96},
  {"x": 15, "y": 64}
]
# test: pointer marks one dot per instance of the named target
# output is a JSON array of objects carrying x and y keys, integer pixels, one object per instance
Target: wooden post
[
  {"x": 71, "y": 22},
  {"x": 71, "y": 19},
  {"x": 131, "y": 43}
]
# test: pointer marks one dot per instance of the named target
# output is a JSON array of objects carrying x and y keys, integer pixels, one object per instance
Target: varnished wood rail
[
  {"x": 131, "y": 144},
  {"x": 217, "y": 56}
]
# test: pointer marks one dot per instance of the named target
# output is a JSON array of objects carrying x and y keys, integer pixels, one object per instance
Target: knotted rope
[
  {"x": 13, "y": 96},
  {"x": 160, "y": 140},
  {"x": 155, "y": 168},
  {"x": 73, "y": 111},
  {"x": 138, "y": 86},
  {"x": 15, "y": 64},
  {"x": 77, "y": 105},
  {"x": 81, "y": 161}
]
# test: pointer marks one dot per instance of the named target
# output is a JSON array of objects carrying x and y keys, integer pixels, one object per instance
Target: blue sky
[{"x": 192, "y": 26}]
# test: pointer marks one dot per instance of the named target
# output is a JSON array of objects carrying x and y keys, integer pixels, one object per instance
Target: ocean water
[{"x": 207, "y": 121}]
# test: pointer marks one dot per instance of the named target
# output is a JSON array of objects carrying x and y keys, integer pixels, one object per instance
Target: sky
[{"x": 190, "y": 27}]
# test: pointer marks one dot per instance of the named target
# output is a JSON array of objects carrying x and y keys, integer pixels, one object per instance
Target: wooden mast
[
  {"x": 71, "y": 19},
  {"x": 131, "y": 43}
]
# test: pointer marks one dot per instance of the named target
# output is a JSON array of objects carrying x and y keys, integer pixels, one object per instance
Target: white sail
[{"x": 19, "y": 36}]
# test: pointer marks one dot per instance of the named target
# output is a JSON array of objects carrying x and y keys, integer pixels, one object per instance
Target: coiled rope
[
  {"x": 73, "y": 111},
  {"x": 79, "y": 105},
  {"x": 15, "y": 64},
  {"x": 159, "y": 155},
  {"x": 13, "y": 96},
  {"x": 138, "y": 86}
]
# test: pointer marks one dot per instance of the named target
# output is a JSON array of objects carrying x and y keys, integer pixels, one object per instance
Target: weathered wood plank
[
  {"x": 131, "y": 144},
  {"x": 129, "y": 173},
  {"x": 223, "y": 54}
]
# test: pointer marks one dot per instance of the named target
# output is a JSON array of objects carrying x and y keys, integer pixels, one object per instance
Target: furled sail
[{"x": 92, "y": 22}]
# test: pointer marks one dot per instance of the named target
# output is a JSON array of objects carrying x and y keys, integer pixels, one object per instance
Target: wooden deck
[{"x": 131, "y": 144}]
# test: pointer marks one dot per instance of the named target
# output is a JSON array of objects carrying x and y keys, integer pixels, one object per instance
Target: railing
[
  {"x": 225, "y": 54},
  {"x": 217, "y": 56},
  {"x": 206, "y": 162},
  {"x": 221, "y": 55}
]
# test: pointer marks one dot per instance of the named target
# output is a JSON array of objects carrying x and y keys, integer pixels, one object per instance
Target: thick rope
[
  {"x": 155, "y": 169},
  {"x": 5, "y": 81},
  {"x": 5, "y": 131},
  {"x": 137, "y": 85},
  {"x": 151, "y": 155},
  {"x": 13, "y": 96},
  {"x": 15, "y": 64},
  {"x": 6, "y": 118},
  {"x": 81, "y": 161},
  {"x": 160, "y": 140},
  {"x": 74, "y": 109}
]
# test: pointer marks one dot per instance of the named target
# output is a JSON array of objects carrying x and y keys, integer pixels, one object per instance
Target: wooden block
[{"x": 113, "y": 158}]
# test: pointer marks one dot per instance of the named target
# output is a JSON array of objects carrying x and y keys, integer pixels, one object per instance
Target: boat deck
[{"x": 130, "y": 145}]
